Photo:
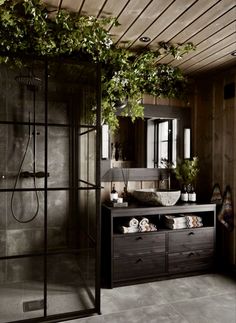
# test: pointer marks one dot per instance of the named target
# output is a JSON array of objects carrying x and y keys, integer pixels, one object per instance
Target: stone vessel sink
[{"x": 154, "y": 196}]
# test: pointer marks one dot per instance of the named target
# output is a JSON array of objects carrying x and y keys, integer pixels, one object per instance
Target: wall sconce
[
  {"x": 187, "y": 143},
  {"x": 105, "y": 141}
]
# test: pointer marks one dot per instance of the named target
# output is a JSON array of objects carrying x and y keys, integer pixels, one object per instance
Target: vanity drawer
[
  {"x": 190, "y": 261},
  {"x": 191, "y": 239},
  {"x": 128, "y": 245},
  {"x": 138, "y": 266}
]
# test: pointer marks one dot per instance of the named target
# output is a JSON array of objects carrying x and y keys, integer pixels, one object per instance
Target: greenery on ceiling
[{"x": 27, "y": 27}]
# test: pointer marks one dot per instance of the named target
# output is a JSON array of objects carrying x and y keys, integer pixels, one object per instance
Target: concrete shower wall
[{"x": 16, "y": 101}]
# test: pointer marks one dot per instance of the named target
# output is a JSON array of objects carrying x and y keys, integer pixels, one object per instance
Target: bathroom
[{"x": 52, "y": 187}]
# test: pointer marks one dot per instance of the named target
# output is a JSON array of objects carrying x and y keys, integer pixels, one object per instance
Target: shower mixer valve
[{"x": 32, "y": 174}]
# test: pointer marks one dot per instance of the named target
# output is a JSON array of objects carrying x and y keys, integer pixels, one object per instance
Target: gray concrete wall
[{"x": 16, "y": 102}]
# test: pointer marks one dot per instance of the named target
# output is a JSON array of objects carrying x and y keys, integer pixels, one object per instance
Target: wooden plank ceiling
[{"x": 209, "y": 24}]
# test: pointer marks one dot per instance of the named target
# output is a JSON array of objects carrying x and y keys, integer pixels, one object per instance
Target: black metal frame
[{"x": 73, "y": 188}]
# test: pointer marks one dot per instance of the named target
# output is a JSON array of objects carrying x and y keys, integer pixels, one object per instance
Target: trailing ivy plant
[{"x": 28, "y": 28}]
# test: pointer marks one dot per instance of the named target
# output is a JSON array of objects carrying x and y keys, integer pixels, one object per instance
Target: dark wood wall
[{"x": 214, "y": 124}]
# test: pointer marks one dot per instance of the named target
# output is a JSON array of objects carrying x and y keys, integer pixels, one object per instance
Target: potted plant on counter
[{"x": 186, "y": 172}]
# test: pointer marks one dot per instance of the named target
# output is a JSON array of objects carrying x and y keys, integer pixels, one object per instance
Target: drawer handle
[
  {"x": 139, "y": 260},
  {"x": 191, "y": 233},
  {"x": 139, "y": 238}
]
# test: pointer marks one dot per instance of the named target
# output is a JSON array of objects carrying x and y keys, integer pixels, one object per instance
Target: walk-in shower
[{"x": 49, "y": 190}]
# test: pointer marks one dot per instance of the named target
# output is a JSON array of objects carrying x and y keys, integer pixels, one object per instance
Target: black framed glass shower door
[{"x": 50, "y": 128}]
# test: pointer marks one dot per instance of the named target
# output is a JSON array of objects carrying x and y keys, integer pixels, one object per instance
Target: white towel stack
[
  {"x": 182, "y": 221},
  {"x": 135, "y": 226},
  {"x": 175, "y": 221},
  {"x": 193, "y": 221}
]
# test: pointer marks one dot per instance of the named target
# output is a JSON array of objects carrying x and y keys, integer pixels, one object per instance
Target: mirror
[{"x": 143, "y": 143}]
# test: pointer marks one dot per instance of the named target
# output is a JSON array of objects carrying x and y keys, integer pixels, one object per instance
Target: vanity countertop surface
[{"x": 138, "y": 209}]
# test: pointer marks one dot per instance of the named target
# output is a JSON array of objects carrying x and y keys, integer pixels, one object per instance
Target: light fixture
[
  {"x": 187, "y": 143},
  {"x": 145, "y": 39},
  {"x": 105, "y": 141},
  {"x": 233, "y": 53}
]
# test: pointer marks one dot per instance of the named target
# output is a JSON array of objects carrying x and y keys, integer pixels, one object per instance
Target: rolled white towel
[
  {"x": 144, "y": 225},
  {"x": 133, "y": 223},
  {"x": 144, "y": 222},
  {"x": 129, "y": 229}
]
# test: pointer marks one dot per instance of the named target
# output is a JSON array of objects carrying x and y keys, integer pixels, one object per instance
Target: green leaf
[{"x": 26, "y": 27}]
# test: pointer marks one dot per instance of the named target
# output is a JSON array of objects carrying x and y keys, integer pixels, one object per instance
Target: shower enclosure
[{"x": 49, "y": 190}]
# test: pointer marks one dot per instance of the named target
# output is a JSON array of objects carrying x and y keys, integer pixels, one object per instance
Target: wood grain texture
[
  {"x": 146, "y": 256},
  {"x": 208, "y": 24},
  {"x": 217, "y": 115}
]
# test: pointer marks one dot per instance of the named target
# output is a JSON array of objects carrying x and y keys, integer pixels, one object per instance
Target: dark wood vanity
[{"x": 140, "y": 257}]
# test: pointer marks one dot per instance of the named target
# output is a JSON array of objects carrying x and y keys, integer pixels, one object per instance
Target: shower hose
[{"x": 34, "y": 181}]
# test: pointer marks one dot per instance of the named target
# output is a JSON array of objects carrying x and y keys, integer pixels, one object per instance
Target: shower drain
[{"x": 33, "y": 305}]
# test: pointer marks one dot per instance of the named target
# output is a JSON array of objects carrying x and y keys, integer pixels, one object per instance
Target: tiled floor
[
  {"x": 199, "y": 299},
  {"x": 60, "y": 299}
]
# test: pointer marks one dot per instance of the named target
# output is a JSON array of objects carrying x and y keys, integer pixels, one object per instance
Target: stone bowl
[{"x": 153, "y": 196}]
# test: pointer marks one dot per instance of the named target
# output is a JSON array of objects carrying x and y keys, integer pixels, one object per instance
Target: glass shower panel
[
  {"x": 22, "y": 289},
  {"x": 22, "y": 149},
  {"x": 48, "y": 222},
  {"x": 58, "y": 220},
  {"x": 87, "y": 165},
  {"x": 22, "y": 206},
  {"x": 87, "y": 241},
  {"x": 88, "y": 184},
  {"x": 67, "y": 291},
  {"x": 58, "y": 157},
  {"x": 87, "y": 202}
]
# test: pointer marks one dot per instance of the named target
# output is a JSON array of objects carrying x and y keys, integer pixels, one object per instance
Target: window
[
  {"x": 161, "y": 142},
  {"x": 165, "y": 141}
]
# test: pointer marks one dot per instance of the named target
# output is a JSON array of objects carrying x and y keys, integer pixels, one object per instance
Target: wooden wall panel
[
  {"x": 215, "y": 144},
  {"x": 217, "y": 132},
  {"x": 203, "y": 138}
]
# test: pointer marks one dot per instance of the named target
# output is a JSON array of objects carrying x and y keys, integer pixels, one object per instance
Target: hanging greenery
[{"x": 27, "y": 27}]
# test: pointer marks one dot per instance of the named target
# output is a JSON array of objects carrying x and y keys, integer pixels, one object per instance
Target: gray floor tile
[
  {"x": 214, "y": 309},
  {"x": 127, "y": 297},
  {"x": 207, "y": 298},
  {"x": 176, "y": 290},
  {"x": 148, "y": 314},
  {"x": 90, "y": 319},
  {"x": 162, "y": 314},
  {"x": 212, "y": 284},
  {"x": 185, "y": 288}
]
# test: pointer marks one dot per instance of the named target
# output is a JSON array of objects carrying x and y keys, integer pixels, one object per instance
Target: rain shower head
[{"x": 31, "y": 81}]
